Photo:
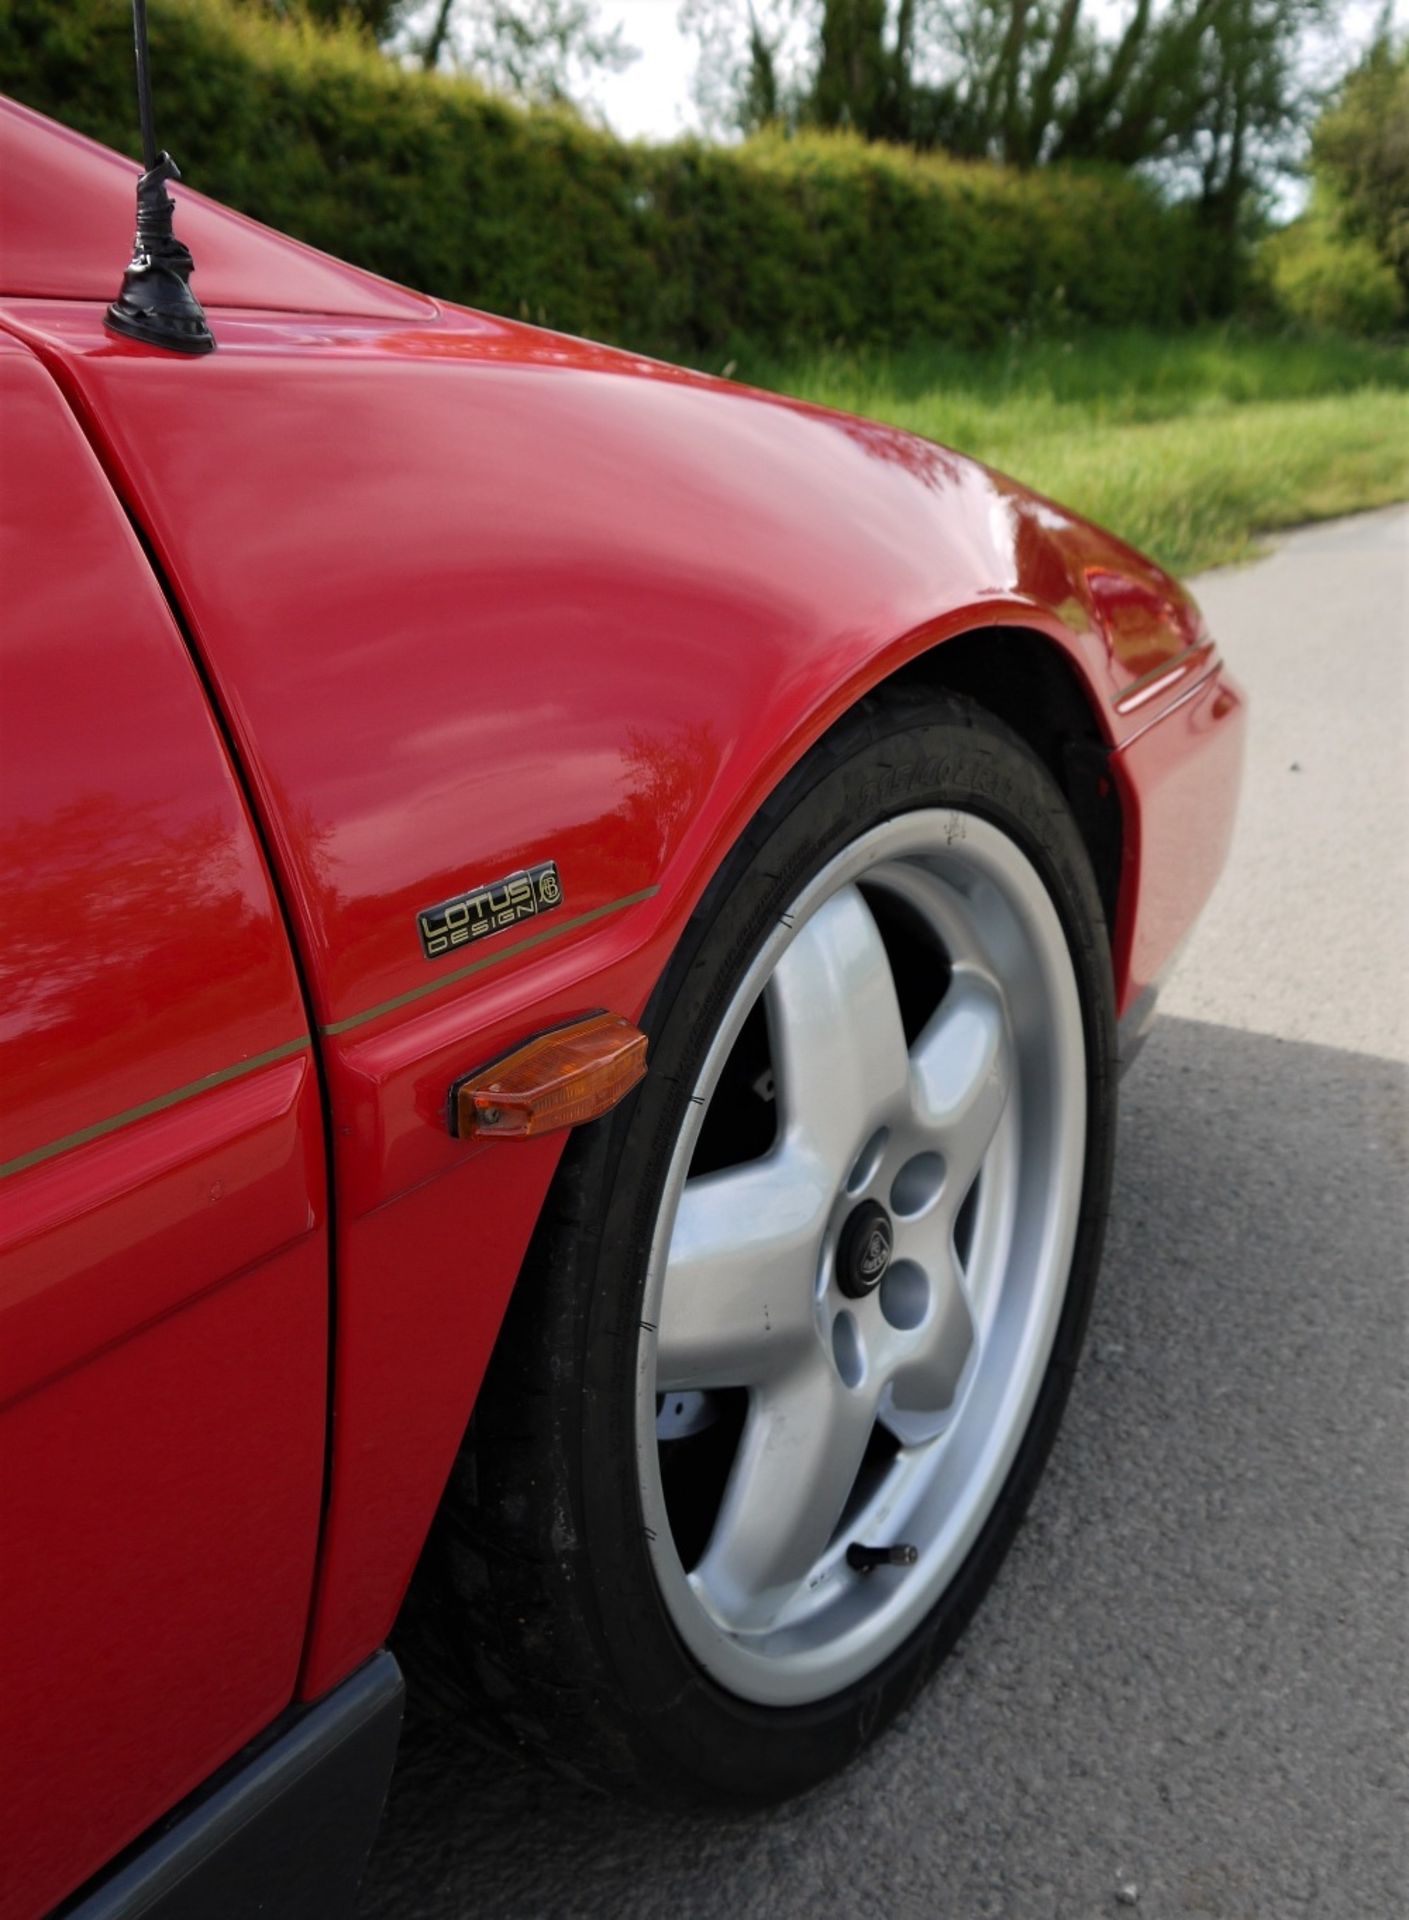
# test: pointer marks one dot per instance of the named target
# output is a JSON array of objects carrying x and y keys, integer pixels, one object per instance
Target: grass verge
[{"x": 1190, "y": 445}]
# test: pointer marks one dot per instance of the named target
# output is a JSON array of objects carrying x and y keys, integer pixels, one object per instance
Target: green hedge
[
  {"x": 1326, "y": 279},
  {"x": 686, "y": 248}
]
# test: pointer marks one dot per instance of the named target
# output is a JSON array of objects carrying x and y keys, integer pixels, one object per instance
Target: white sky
[{"x": 652, "y": 100}]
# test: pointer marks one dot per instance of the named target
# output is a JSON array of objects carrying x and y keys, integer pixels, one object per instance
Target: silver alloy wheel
[{"x": 937, "y": 1354}]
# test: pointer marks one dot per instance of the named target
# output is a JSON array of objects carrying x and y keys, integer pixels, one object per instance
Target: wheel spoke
[
  {"x": 962, "y": 1075},
  {"x": 737, "y": 1304},
  {"x": 838, "y": 1040},
  {"x": 928, "y": 1378},
  {"x": 798, "y": 1459}
]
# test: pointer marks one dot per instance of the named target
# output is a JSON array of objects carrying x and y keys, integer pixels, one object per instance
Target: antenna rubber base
[{"x": 156, "y": 304}]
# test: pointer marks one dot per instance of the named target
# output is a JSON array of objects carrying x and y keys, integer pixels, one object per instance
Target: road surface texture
[{"x": 1186, "y": 1694}]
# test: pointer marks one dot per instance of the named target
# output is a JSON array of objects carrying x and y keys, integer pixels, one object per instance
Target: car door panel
[
  {"x": 120, "y": 1232},
  {"x": 163, "y": 1235}
]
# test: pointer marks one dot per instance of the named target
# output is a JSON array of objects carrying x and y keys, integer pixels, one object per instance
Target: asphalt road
[{"x": 1186, "y": 1694}]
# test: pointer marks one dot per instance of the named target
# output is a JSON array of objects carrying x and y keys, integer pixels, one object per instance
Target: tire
[{"x": 557, "y": 1584}]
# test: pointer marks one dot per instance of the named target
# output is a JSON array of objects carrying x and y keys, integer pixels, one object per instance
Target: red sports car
[{"x": 568, "y": 933}]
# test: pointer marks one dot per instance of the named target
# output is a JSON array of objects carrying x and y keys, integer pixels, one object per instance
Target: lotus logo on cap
[
  {"x": 864, "y": 1249},
  {"x": 875, "y": 1255}
]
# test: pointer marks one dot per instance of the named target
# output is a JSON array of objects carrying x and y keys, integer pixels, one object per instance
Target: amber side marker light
[{"x": 560, "y": 1079}]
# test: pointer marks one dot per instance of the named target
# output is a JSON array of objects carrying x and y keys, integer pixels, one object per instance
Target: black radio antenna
[{"x": 156, "y": 304}]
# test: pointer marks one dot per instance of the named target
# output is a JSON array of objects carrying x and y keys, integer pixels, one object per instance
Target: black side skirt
[{"x": 283, "y": 1832}]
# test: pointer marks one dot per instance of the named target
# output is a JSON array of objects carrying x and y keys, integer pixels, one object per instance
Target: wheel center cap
[{"x": 864, "y": 1250}]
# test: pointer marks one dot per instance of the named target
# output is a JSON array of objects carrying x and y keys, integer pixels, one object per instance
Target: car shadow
[{"x": 1188, "y": 1684}]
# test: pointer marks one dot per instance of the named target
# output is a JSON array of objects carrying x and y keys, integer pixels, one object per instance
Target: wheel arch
[
  {"x": 432, "y": 1619},
  {"x": 1024, "y": 679}
]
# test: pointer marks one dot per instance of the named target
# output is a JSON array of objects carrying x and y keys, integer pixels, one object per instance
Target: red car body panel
[
  {"x": 163, "y": 1240},
  {"x": 1178, "y": 780},
  {"x": 66, "y": 216},
  {"x": 469, "y": 596}
]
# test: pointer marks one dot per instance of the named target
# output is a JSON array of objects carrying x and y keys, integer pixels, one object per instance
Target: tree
[
  {"x": 1210, "y": 89},
  {"x": 762, "y": 102},
  {"x": 752, "y": 55},
  {"x": 380, "y": 18},
  {"x": 854, "y": 67},
  {"x": 547, "y": 51},
  {"x": 1360, "y": 148}
]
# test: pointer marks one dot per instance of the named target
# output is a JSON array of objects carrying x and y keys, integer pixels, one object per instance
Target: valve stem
[{"x": 866, "y": 1559}]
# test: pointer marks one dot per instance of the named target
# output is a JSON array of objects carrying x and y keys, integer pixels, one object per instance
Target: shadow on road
[{"x": 1191, "y": 1674}]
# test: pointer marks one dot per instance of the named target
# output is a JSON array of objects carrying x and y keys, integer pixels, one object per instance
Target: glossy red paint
[
  {"x": 470, "y": 596},
  {"x": 724, "y": 574},
  {"x": 1178, "y": 780},
  {"x": 163, "y": 1261},
  {"x": 66, "y": 223},
  {"x": 166, "y": 1496}
]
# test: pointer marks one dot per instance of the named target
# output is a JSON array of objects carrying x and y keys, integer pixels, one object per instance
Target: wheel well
[{"x": 1024, "y": 680}]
